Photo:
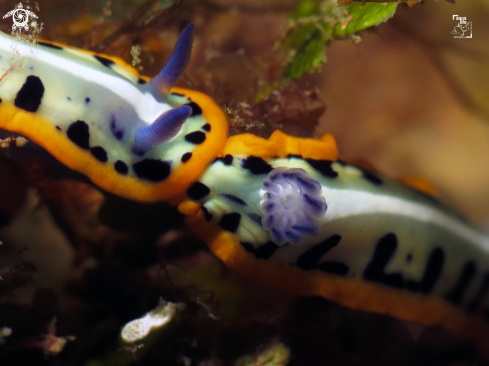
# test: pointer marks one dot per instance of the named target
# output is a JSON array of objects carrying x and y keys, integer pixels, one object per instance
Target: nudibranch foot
[{"x": 292, "y": 205}]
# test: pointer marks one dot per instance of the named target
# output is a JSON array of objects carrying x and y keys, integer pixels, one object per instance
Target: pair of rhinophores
[{"x": 284, "y": 210}]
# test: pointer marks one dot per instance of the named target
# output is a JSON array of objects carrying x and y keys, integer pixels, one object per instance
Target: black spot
[
  {"x": 235, "y": 199},
  {"x": 432, "y": 272},
  {"x": 206, "y": 127},
  {"x": 138, "y": 151},
  {"x": 292, "y": 156},
  {"x": 152, "y": 169},
  {"x": 116, "y": 131},
  {"x": 230, "y": 221},
  {"x": 341, "y": 162},
  {"x": 481, "y": 293},
  {"x": 99, "y": 153},
  {"x": 196, "y": 137},
  {"x": 384, "y": 250},
  {"x": 311, "y": 257},
  {"x": 178, "y": 94},
  {"x": 409, "y": 258},
  {"x": 197, "y": 191},
  {"x": 371, "y": 177},
  {"x": 186, "y": 157},
  {"x": 227, "y": 160},
  {"x": 121, "y": 167},
  {"x": 323, "y": 167},
  {"x": 45, "y": 44},
  {"x": 207, "y": 214},
  {"x": 332, "y": 267},
  {"x": 68, "y": 98},
  {"x": 141, "y": 81},
  {"x": 196, "y": 110},
  {"x": 4, "y": 220},
  {"x": 255, "y": 217},
  {"x": 1, "y": 100},
  {"x": 104, "y": 61},
  {"x": 59, "y": 128},
  {"x": 87, "y": 100},
  {"x": 256, "y": 165},
  {"x": 264, "y": 251},
  {"x": 29, "y": 96},
  {"x": 456, "y": 295},
  {"x": 79, "y": 134}
]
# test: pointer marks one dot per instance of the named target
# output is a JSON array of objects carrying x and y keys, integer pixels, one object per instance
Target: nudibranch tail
[
  {"x": 163, "y": 129},
  {"x": 179, "y": 59},
  {"x": 292, "y": 205}
]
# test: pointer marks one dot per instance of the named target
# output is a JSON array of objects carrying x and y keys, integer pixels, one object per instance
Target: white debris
[
  {"x": 4, "y": 332},
  {"x": 138, "y": 329}
]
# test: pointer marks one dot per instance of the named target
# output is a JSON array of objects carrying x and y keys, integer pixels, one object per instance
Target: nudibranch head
[
  {"x": 139, "y": 138},
  {"x": 292, "y": 205}
]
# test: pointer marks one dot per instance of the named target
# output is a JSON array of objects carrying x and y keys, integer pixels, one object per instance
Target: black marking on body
[
  {"x": 196, "y": 110},
  {"x": 324, "y": 167},
  {"x": 79, "y": 133},
  {"x": 59, "y": 128},
  {"x": 178, "y": 94},
  {"x": 87, "y": 100},
  {"x": 99, "y": 153},
  {"x": 154, "y": 170},
  {"x": 264, "y": 251},
  {"x": 432, "y": 272},
  {"x": 234, "y": 199},
  {"x": 311, "y": 257},
  {"x": 480, "y": 294},
  {"x": 384, "y": 250},
  {"x": 207, "y": 127},
  {"x": 230, "y": 221},
  {"x": 186, "y": 157},
  {"x": 294, "y": 156},
  {"x": 333, "y": 267},
  {"x": 45, "y": 44},
  {"x": 141, "y": 81},
  {"x": 68, "y": 98},
  {"x": 1, "y": 100},
  {"x": 104, "y": 61},
  {"x": 116, "y": 131},
  {"x": 138, "y": 151},
  {"x": 196, "y": 137},
  {"x": 371, "y": 177},
  {"x": 409, "y": 258},
  {"x": 255, "y": 217},
  {"x": 455, "y": 296},
  {"x": 256, "y": 165},
  {"x": 207, "y": 214},
  {"x": 197, "y": 191},
  {"x": 30, "y": 95},
  {"x": 121, "y": 167},
  {"x": 226, "y": 160}
]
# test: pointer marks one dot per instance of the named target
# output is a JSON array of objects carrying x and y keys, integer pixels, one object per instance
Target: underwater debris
[
  {"x": 138, "y": 329},
  {"x": 53, "y": 344},
  {"x": 275, "y": 354},
  {"x": 4, "y": 333}
]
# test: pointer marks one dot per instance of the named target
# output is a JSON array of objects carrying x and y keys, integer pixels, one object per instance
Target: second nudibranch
[{"x": 284, "y": 210}]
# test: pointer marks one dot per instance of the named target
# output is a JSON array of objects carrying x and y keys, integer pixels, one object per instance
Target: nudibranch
[{"x": 284, "y": 210}]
